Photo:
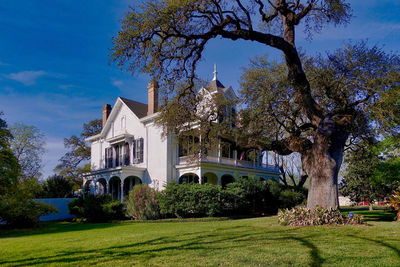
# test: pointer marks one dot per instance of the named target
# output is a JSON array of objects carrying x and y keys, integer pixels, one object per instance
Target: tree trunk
[
  {"x": 322, "y": 164},
  {"x": 371, "y": 208}
]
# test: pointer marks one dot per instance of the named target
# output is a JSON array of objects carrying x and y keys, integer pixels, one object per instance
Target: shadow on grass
[
  {"x": 382, "y": 215},
  {"x": 378, "y": 242},
  {"x": 53, "y": 227},
  {"x": 221, "y": 239}
]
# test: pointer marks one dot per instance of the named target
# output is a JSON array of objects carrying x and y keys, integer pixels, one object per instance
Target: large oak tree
[{"x": 167, "y": 39}]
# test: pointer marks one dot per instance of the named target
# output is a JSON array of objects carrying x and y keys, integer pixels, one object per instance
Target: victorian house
[{"x": 130, "y": 150}]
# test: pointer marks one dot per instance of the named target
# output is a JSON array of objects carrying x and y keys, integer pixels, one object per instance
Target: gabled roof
[
  {"x": 138, "y": 108},
  {"x": 216, "y": 85}
]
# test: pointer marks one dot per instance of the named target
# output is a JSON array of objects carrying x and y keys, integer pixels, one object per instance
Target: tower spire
[{"x": 215, "y": 72}]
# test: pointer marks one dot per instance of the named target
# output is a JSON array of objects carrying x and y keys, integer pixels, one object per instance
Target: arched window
[{"x": 123, "y": 123}]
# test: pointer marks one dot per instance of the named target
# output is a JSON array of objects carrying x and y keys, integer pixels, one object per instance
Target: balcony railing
[{"x": 228, "y": 161}]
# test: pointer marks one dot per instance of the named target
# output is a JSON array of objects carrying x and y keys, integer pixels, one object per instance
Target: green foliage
[
  {"x": 28, "y": 147},
  {"x": 96, "y": 208},
  {"x": 57, "y": 187},
  {"x": 245, "y": 196},
  {"x": 17, "y": 206},
  {"x": 302, "y": 216},
  {"x": 394, "y": 202},
  {"x": 371, "y": 173},
  {"x": 142, "y": 203},
  {"x": 20, "y": 211},
  {"x": 190, "y": 200},
  {"x": 74, "y": 162},
  {"x": 9, "y": 167},
  {"x": 291, "y": 197},
  {"x": 387, "y": 171}
]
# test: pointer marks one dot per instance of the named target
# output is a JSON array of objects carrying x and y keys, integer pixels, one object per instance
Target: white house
[{"x": 130, "y": 150}]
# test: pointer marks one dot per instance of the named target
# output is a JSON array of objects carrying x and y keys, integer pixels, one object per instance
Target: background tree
[
  {"x": 291, "y": 169},
  {"x": 17, "y": 206},
  {"x": 167, "y": 39},
  {"x": 9, "y": 167},
  {"x": 57, "y": 187},
  {"x": 371, "y": 173},
  {"x": 75, "y": 161},
  {"x": 28, "y": 147}
]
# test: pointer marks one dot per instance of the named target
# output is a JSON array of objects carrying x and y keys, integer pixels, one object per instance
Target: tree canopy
[
  {"x": 74, "y": 162},
  {"x": 28, "y": 147},
  {"x": 9, "y": 167}
]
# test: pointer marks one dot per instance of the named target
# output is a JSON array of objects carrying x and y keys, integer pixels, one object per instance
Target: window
[
  {"x": 187, "y": 145},
  {"x": 123, "y": 123},
  {"x": 109, "y": 157},
  {"x": 138, "y": 150},
  {"x": 226, "y": 150},
  {"x": 126, "y": 156},
  {"x": 117, "y": 161}
]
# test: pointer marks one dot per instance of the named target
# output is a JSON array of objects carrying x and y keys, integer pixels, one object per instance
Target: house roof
[
  {"x": 138, "y": 108},
  {"x": 216, "y": 85}
]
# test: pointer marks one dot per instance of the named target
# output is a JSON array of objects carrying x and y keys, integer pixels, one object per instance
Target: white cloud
[
  {"x": 117, "y": 83},
  {"x": 28, "y": 77}
]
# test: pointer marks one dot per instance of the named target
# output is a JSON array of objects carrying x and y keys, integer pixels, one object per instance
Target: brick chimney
[
  {"x": 106, "y": 113},
  {"x": 152, "y": 89}
]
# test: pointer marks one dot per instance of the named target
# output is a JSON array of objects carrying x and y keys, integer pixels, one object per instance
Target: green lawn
[{"x": 244, "y": 242}]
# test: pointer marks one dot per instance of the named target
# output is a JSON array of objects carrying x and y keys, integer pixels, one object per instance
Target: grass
[
  {"x": 374, "y": 215},
  {"x": 242, "y": 242}
]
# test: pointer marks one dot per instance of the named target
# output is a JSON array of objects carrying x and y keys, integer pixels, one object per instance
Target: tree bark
[{"x": 322, "y": 164}]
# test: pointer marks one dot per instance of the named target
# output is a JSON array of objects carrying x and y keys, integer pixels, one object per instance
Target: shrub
[
  {"x": 394, "y": 202},
  {"x": 96, "y": 208},
  {"x": 190, "y": 200},
  {"x": 278, "y": 196},
  {"x": 289, "y": 198},
  {"x": 302, "y": 216},
  {"x": 19, "y": 211},
  {"x": 244, "y": 196},
  {"x": 142, "y": 203}
]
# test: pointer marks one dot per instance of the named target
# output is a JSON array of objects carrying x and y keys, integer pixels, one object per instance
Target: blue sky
[{"x": 55, "y": 73}]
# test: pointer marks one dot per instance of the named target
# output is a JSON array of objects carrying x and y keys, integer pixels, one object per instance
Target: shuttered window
[{"x": 138, "y": 150}]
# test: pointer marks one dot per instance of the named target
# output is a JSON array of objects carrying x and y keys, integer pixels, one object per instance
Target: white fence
[{"x": 59, "y": 203}]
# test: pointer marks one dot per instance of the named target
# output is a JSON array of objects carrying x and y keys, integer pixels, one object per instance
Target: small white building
[{"x": 130, "y": 150}]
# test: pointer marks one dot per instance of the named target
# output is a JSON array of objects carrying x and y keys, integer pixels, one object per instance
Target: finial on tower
[{"x": 215, "y": 72}]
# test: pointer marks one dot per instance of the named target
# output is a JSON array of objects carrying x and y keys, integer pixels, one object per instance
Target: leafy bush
[
  {"x": 394, "y": 202},
  {"x": 244, "y": 196},
  {"x": 289, "y": 198},
  {"x": 302, "y": 216},
  {"x": 190, "y": 200},
  {"x": 142, "y": 203},
  {"x": 96, "y": 208},
  {"x": 20, "y": 211}
]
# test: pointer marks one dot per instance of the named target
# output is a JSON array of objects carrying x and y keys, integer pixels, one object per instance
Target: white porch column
[
  {"x": 219, "y": 151},
  {"x": 122, "y": 191}
]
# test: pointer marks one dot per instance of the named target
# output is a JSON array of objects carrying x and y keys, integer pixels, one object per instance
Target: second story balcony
[{"x": 188, "y": 160}]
